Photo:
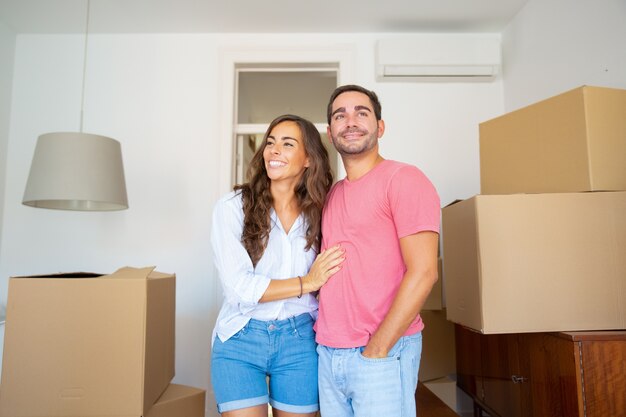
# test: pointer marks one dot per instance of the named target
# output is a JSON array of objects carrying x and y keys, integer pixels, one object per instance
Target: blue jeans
[
  {"x": 353, "y": 385},
  {"x": 284, "y": 350}
]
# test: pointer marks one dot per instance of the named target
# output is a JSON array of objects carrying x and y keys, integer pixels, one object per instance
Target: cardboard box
[
  {"x": 435, "y": 299},
  {"x": 438, "y": 349},
  {"x": 179, "y": 401},
  {"x": 572, "y": 142},
  {"x": 536, "y": 262},
  {"x": 1, "y": 343},
  {"x": 88, "y": 345}
]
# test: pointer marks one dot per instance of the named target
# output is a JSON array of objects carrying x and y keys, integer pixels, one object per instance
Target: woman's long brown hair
[{"x": 310, "y": 191}]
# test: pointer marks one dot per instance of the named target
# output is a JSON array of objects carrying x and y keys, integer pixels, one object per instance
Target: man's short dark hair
[{"x": 352, "y": 87}]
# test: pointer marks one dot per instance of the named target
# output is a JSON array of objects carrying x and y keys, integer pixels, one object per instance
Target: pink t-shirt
[{"x": 368, "y": 217}]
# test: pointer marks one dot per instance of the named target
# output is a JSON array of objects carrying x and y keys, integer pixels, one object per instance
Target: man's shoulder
[
  {"x": 393, "y": 168},
  {"x": 394, "y": 165},
  {"x": 402, "y": 176}
]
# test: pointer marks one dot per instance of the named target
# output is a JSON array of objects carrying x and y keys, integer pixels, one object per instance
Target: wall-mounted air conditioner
[{"x": 461, "y": 57}]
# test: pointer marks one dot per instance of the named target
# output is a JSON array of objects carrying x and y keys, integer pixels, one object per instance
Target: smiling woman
[{"x": 266, "y": 236}]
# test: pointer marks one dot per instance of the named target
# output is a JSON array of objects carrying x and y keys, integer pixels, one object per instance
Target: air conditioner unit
[{"x": 460, "y": 57}]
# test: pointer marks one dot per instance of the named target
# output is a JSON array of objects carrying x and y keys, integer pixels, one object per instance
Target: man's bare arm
[{"x": 419, "y": 252}]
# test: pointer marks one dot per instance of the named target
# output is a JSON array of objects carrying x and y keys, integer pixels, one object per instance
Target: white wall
[
  {"x": 553, "y": 46},
  {"x": 158, "y": 95},
  {"x": 7, "y": 52}
]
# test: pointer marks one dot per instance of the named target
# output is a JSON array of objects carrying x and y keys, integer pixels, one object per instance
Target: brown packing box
[
  {"x": 88, "y": 345},
  {"x": 435, "y": 298},
  {"x": 438, "y": 352},
  {"x": 572, "y": 142},
  {"x": 179, "y": 401},
  {"x": 536, "y": 262}
]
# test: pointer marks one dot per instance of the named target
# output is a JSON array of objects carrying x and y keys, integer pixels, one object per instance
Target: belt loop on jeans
[{"x": 292, "y": 321}]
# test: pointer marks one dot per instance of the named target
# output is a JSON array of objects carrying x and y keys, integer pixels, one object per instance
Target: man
[{"x": 385, "y": 214}]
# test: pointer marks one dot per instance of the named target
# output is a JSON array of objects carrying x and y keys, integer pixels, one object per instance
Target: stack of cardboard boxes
[
  {"x": 543, "y": 247},
  {"x": 85, "y": 345}
]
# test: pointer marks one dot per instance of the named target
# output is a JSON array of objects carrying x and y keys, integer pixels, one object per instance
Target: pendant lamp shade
[{"x": 76, "y": 171}]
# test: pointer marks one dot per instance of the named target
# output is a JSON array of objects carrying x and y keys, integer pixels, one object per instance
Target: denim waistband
[{"x": 278, "y": 325}]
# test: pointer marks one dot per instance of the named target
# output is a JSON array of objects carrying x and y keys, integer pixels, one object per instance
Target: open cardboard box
[{"x": 84, "y": 344}]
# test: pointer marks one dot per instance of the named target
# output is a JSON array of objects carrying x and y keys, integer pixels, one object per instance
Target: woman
[{"x": 265, "y": 237}]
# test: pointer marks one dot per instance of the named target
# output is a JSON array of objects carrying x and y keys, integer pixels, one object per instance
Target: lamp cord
[{"x": 82, "y": 96}]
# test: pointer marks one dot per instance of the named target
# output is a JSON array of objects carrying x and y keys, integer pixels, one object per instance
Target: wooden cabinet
[{"x": 578, "y": 374}]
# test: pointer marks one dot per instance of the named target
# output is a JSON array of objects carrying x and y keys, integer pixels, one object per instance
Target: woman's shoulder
[{"x": 232, "y": 199}]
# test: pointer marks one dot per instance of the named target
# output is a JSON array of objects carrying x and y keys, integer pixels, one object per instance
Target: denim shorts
[
  {"x": 352, "y": 385},
  {"x": 283, "y": 350}
]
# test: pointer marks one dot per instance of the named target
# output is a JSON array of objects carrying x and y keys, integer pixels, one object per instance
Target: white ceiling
[{"x": 253, "y": 16}]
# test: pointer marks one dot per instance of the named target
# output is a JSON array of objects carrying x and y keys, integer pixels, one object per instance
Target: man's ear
[{"x": 381, "y": 128}]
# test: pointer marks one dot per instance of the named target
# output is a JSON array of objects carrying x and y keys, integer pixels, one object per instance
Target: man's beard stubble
[{"x": 367, "y": 143}]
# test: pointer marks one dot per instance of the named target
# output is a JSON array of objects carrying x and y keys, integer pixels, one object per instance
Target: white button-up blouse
[{"x": 243, "y": 284}]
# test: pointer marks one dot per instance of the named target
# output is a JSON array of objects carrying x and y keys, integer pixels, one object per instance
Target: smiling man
[{"x": 385, "y": 214}]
